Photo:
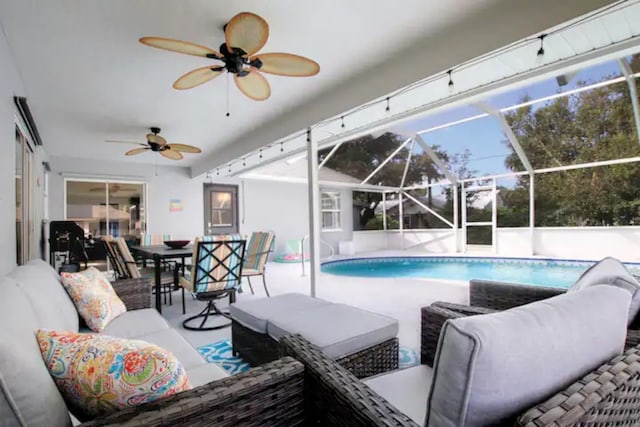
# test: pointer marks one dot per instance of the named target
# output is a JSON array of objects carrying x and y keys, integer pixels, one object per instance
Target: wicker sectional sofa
[
  {"x": 33, "y": 298},
  {"x": 607, "y": 395}
]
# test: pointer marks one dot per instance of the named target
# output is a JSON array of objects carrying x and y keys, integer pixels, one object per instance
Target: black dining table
[{"x": 160, "y": 253}]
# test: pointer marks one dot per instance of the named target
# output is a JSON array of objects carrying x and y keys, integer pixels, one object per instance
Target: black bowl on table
[{"x": 176, "y": 244}]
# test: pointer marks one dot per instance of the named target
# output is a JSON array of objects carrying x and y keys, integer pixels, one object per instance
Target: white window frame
[{"x": 336, "y": 211}]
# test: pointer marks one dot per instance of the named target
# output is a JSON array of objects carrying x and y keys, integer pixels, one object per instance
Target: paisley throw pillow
[
  {"x": 98, "y": 375},
  {"x": 94, "y": 297}
]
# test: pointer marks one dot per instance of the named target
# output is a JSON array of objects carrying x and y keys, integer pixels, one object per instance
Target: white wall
[
  {"x": 264, "y": 205},
  {"x": 591, "y": 243},
  {"x": 10, "y": 86}
]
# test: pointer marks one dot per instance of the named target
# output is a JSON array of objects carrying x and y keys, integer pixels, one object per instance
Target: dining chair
[
  {"x": 260, "y": 246},
  {"x": 216, "y": 273}
]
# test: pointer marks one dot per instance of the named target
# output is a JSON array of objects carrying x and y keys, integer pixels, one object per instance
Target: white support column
[
  {"x": 401, "y": 217},
  {"x": 494, "y": 217},
  {"x": 455, "y": 217},
  {"x": 532, "y": 213},
  {"x": 384, "y": 219},
  {"x": 313, "y": 190},
  {"x": 463, "y": 207}
]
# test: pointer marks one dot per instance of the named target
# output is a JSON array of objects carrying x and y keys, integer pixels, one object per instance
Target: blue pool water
[{"x": 528, "y": 271}]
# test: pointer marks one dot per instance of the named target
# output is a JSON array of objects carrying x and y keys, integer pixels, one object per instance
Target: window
[
  {"x": 220, "y": 209},
  {"x": 330, "y": 210}
]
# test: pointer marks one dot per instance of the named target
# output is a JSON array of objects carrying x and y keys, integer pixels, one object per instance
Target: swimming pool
[{"x": 558, "y": 273}]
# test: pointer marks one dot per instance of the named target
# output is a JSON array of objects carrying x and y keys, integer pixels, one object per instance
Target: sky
[{"x": 484, "y": 137}]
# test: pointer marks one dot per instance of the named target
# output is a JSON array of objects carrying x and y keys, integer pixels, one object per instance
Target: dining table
[{"x": 159, "y": 254}]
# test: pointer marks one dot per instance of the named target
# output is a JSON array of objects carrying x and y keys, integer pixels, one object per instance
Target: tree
[
  {"x": 589, "y": 126},
  {"x": 359, "y": 158}
]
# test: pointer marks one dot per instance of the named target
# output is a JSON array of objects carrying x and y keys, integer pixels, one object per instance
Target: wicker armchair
[
  {"x": 271, "y": 394},
  {"x": 608, "y": 396}
]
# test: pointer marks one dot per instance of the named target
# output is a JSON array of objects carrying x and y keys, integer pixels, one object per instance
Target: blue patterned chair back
[
  {"x": 217, "y": 263},
  {"x": 258, "y": 250},
  {"x": 153, "y": 239}
]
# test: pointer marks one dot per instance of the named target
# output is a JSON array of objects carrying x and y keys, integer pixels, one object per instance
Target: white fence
[{"x": 555, "y": 242}]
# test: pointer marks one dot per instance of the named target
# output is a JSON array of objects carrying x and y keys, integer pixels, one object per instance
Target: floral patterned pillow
[
  {"x": 94, "y": 297},
  {"x": 99, "y": 375}
]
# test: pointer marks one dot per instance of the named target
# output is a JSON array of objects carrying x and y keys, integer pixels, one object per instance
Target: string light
[
  {"x": 540, "y": 54},
  {"x": 229, "y": 167},
  {"x": 451, "y": 85},
  {"x": 260, "y": 153},
  {"x": 244, "y": 161},
  {"x": 281, "y": 147},
  {"x": 217, "y": 171},
  {"x": 342, "y": 121},
  {"x": 388, "y": 108}
]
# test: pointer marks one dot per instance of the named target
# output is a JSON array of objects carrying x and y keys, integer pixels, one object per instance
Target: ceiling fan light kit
[{"x": 245, "y": 34}]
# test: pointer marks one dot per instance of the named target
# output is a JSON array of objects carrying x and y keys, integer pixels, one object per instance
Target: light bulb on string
[
  {"x": 260, "y": 156},
  {"x": 281, "y": 147},
  {"x": 244, "y": 161},
  {"x": 450, "y": 84},
  {"x": 540, "y": 54},
  {"x": 217, "y": 171},
  {"x": 342, "y": 122},
  {"x": 388, "y": 107}
]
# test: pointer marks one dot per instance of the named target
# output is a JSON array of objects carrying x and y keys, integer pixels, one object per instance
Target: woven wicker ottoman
[{"x": 363, "y": 342}]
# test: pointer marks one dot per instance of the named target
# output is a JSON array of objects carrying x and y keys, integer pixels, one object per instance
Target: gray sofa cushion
[
  {"x": 406, "y": 389},
  {"x": 204, "y": 374},
  {"x": 136, "y": 323},
  {"x": 610, "y": 271},
  {"x": 171, "y": 340},
  {"x": 337, "y": 329},
  {"x": 492, "y": 367},
  {"x": 254, "y": 314},
  {"x": 28, "y": 394},
  {"x": 52, "y": 306}
]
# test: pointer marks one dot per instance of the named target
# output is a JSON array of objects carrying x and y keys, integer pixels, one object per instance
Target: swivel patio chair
[
  {"x": 255, "y": 262},
  {"x": 216, "y": 273},
  {"x": 126, "y": 267}
]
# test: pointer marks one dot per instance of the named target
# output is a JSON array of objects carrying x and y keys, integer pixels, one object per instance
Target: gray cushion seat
[
  {"x": 488, "y": 370},
  {"x": 254, "y": 314},
  {"x": 337, "y": 329}
]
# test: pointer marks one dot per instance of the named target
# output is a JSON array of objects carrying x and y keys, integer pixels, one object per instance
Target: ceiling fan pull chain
[{"x": 228, "y": 113}]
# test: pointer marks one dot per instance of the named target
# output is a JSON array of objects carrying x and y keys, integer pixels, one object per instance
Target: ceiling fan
[
  {"x": 245, "y": 34},
  {"x": 113, "y": 188},
  {"x": 160, "y": 145}
]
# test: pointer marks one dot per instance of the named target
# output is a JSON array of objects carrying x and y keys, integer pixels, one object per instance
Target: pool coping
[{"x": 514, "y": 260}]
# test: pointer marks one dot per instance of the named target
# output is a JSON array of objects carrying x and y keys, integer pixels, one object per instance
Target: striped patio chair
[
  {"x": 260, "y": 246},
  {"x": 216, "y": 273},
  {"x": 126, "y": 267}
]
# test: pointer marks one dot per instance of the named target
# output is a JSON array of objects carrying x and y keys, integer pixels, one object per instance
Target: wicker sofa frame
[
  {"x": 608, "y": 396},
  {"x": 269, "y": 395},
  {"x": 256, "y": 349}
]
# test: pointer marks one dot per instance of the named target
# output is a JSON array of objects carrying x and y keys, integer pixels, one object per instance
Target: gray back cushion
[
  {"x": 28, "y": 395},
  {"x": 610, "y": 271},
  {"x": 492, "y": 367},
  {"x": 52, "y": 305}
]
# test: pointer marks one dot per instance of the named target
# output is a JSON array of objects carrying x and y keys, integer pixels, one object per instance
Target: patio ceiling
[{"x": 88, "y": 79}]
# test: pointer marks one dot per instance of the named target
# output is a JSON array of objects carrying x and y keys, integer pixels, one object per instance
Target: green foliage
[
  {"x": 590, "y": 126},
  {"x": 376, "y": 223}
]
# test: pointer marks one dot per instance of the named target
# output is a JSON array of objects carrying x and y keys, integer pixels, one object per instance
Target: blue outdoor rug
[{"x": 221, "y": 353}]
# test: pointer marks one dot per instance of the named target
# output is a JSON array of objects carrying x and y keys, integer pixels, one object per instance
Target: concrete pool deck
[{"x": 399, "y": 298}]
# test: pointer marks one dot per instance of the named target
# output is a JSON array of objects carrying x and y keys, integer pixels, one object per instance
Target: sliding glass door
[
  {"x": 24, "y": 194},
  {"x": 101, "y": 208}
]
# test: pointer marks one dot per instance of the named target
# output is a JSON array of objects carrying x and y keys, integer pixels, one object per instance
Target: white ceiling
[{"x": 88, "y": 79}]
